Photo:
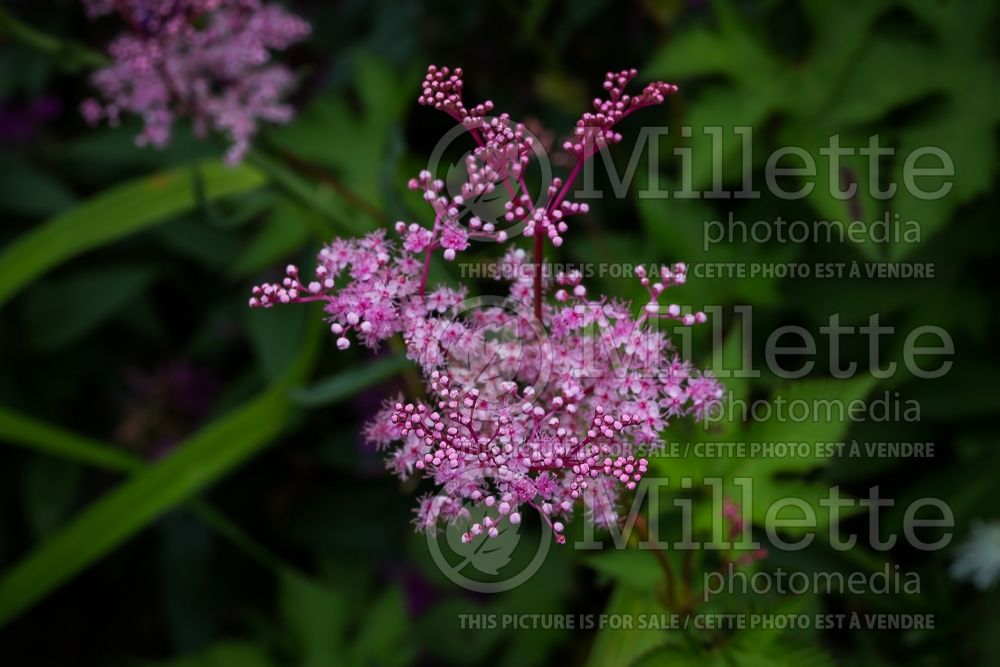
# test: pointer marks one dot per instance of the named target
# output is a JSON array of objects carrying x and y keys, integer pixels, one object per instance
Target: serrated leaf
[
  {"x": 889, "y": 72},
  {"x": 616, "y": 647},
  {"x": 730, "y": 49},
  {"x": 827, "y": 423}
]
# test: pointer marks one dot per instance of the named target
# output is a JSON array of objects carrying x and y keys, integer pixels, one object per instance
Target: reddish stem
[
  {"x": 539, "y": 257},
  {"x": 540, "y": 240},
  {"x": 427, "y": 256},
  {"x": 426, "y": 272},
  {"x": 566, "y": 186}
]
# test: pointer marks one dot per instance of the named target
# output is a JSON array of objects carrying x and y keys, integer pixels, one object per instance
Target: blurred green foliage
[{"x": 254, "y": 528}]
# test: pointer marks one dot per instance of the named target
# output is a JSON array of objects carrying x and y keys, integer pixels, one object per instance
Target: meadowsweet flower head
[
  {"x": 205, "y": 60},
  {"x": 541, "y": 400}
]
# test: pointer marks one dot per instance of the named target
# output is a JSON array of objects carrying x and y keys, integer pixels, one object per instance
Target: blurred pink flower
[{"x": 206, "y": 60}]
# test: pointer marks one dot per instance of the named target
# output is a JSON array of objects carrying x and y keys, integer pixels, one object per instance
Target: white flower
[{"x": 979, "y": 557}]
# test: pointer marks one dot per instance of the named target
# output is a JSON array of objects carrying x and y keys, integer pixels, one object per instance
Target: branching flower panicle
[
  {"x": 206, "y": 60},
  {"x": 542, "y": 400}
]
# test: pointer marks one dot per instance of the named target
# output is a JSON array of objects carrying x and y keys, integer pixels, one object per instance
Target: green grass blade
[
  {"x": 36, "y": 435},
  {"x": 196, "y": 463},
  {"x": 115, "y": 213},
  {"x": 40, "y": 437}
]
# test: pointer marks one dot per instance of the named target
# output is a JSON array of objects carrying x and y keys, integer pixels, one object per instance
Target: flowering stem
[
  {"x": 539, "y": 257},
  {"x": 540, "y": 240},
  {"x": 426, "y": 272},
  {"x": 428, "y": 253},
  {"x": 567, "y": 185}
]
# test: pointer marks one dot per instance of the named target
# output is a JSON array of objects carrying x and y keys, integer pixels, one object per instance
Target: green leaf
[
  {"x": 17, "y": 429},
  {"x": 275, "y": 334},
  {"x": 677, "y": 228},
  {"x": 197, "y": 462},
  {"x": 118, "y": 212},
  {"x": 785, "y": 654},
  {"x": 354, "y": 144},
  {"x": 731, "y": 50},
  {"x": 614, "y": 647},
  {"x": 823, "y": 425},
  {"x": 190, "y": 237},
  {"x": 317, "y": 197},
  {"x": 854, "y": 170},
  {"x": 48, "y": 487},
  {"x": 27, "y": 190},
  {"x": 774, "y": 477},
  {"x": 285, "y": 230},
  {"x": 672, "y": 656},
  {"x": 317, "y": 616},
  {"x": 960, "y": 129},
  {"x": 841, "y": 31},
  {"x": 637, "y": 569},
  {"x": 722, "y": 108},
  {"x": 339, "y": 626},
  {"x": 889, "y": 72},
  {"x": 382, "y": 636},
  {"x": 225, "y": 654},
  {"x": 24, "y": 431},
  {"x": 64, "y": 310},
  {"x": 342, "y": 385},
  {"x": 697, "y": 51}
]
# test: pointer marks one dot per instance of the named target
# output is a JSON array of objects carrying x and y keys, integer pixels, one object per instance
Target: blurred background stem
[{"x": 69, "y": 54}]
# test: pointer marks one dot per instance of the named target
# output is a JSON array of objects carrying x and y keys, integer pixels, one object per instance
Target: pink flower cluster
[
  {"x": 541, "y": 399},
  {"x": 595, "y": 130},
  {"x": 206, "y": 60}
]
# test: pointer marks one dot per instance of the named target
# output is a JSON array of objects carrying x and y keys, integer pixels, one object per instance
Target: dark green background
[{"x": 141, "y": 340}]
